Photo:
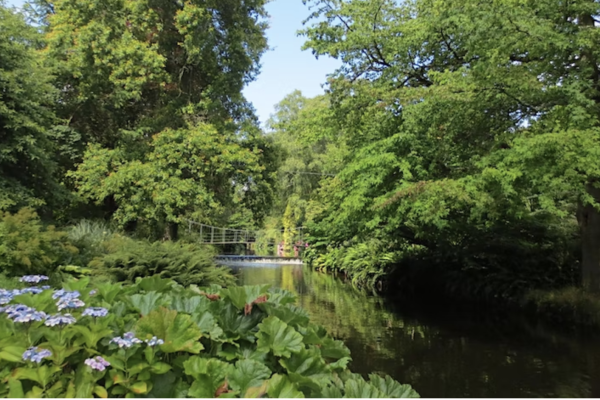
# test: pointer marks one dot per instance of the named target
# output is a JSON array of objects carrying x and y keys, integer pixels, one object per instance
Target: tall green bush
[{"x": 27, "y": 246}]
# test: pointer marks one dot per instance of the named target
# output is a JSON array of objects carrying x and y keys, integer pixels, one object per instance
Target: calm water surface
[{"x": 441, "y": 351}]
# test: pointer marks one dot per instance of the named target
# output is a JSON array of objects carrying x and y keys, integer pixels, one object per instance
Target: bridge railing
[{"x": 208, "y": 234}]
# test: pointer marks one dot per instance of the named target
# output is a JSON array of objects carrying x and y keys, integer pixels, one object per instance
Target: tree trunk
[
  {"x": 171, "y": 231},
  {"x": 589, "y": 223}
]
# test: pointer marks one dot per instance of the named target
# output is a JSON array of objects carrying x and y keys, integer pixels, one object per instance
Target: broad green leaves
[{"x": 198, "y": 355}]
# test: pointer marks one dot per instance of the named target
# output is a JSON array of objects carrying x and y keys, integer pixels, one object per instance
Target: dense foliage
[
  {"x": 159, "y": 339},
  {"x": 469, "y": 137}
]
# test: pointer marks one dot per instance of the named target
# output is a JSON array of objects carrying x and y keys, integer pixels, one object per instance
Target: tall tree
[
  {"x": 26, "y": 99},
  {"x": 466, "y": 117}
]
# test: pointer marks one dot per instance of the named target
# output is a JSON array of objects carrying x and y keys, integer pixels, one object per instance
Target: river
[{"x": 442, "y": 351}]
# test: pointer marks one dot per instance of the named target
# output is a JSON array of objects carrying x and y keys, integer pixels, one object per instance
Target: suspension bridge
[{"x": 208, "y": 234}]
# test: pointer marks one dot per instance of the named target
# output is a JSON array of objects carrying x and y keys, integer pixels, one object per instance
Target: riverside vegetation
[{"x": 455, "y": 151}]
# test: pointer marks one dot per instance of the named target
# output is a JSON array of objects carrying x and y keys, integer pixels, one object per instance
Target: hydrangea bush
[{"x": 156, "y": 338}]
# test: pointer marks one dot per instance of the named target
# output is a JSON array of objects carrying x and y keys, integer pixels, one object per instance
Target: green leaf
[
  {"x": 182, "y": 302},
  {"x": 15, "y": 388},
  {"x": 306, "y": 362},
  {"x": 359, "y": 389},
  {"x": 242, "y": 295},
  {"x": 291, "y": 315},
  {"x": 247, "y": 374},
  {"x": 12, "y": 353},
  {"x": 154, "y": 283},
  {"x": 160, "y": 368},
  {"x": 145, "y": 303},
  {"x": 100, "y": 392},
  {"x": 84, "y": 383},
  {"x": 208, "y": 373},
  {"x": 208, "y": 325},
  {"x": 139, "y": 388},
  {"x": 35, "y": 392},
  {"x": 109, "y": 291},
  {"x": 281, "y": 387},
  {"x": 179, "y": 331},
  {"x": 277, "y": 336},
  {"x": 392, "y": 388}
]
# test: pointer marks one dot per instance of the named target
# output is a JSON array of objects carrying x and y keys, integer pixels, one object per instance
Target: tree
[
  {"x": 465, "y": 119},
  {"x": 189, "y": 172},
  {"x": 131, "y": 64},
  {"x": 26, "y": 97}
]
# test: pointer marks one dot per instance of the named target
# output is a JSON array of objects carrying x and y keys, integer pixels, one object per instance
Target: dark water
[{"x": 439, "y": 350}]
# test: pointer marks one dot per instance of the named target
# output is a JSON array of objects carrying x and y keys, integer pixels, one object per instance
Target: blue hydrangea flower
[
  {"x": 93, "y": 292},
  {"x": 33, "y": 290},
  {"x": 126, "y": 341},
  {"x": 95, "y": 312},
  {"x": 65, "y": 302},
  {"x": 33, "y": 278},
  {"x": 154, "y": 341},
  {"x": 28, "y": 316},
  {"x": 17, "y": 309},
  {"x": 5, "y": 299},
  {"x": 97, "y": 363},
  {"x": 60, "y": 319},
  {"x": 46, "y": 287},
  {"x": 36, "y": 355},
  {"x": 63, "y": 294}
]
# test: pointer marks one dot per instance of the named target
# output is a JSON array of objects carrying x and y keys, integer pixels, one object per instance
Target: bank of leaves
[{"x": 156, "y": 338}]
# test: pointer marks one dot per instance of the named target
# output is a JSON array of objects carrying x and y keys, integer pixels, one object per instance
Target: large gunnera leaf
[
  {"x": 247, "y": 374},
  {"x": 277, "y": 336},
  {"x": 145, "y": 303},
  {"x": 392, "y": 388},
  {"x": 179, "y": 331},
  {"x": 242, "y": 295},
  {"x": 281, "y": 387},
  {"x": 209, "y": 374}
]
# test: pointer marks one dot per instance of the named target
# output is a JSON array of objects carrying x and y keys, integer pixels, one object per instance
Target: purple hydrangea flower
[
  {"x": 93, "y": 292},
  {"x": 60, "y": 319},
  {"x": 95, "y": 312},
  {"x": 65, "y": 302},
  {"x": 97, "y": 363},
  {"x": 126, "y": 341},
  {"x": 28, "y": 316},
  {"x": 63, "y": 294},
  {"x": 33, "y": 278},
  {"x": 154, "y": 341},
  {"x": 36, "y": 355}
]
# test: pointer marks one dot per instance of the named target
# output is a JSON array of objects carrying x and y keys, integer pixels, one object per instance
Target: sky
[{"x": 285, "y": 67}]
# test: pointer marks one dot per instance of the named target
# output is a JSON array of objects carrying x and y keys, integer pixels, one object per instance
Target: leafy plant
[
  {"x": 105, "y": 348},
  {"x": 127, "y": 259}
]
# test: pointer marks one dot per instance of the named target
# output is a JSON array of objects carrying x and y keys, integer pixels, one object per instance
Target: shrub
[
  {"x": 26, "y": 245},
  {"x": 158, "y": 339},
  {"x": 89, "y": 237},
  {"x": 128, "y": 259}
]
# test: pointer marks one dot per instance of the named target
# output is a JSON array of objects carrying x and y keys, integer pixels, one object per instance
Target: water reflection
[{"x": 442, "y": 352}]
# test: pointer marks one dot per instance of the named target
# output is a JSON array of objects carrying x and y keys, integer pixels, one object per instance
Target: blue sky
[{"x": 285, "y": 67}]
